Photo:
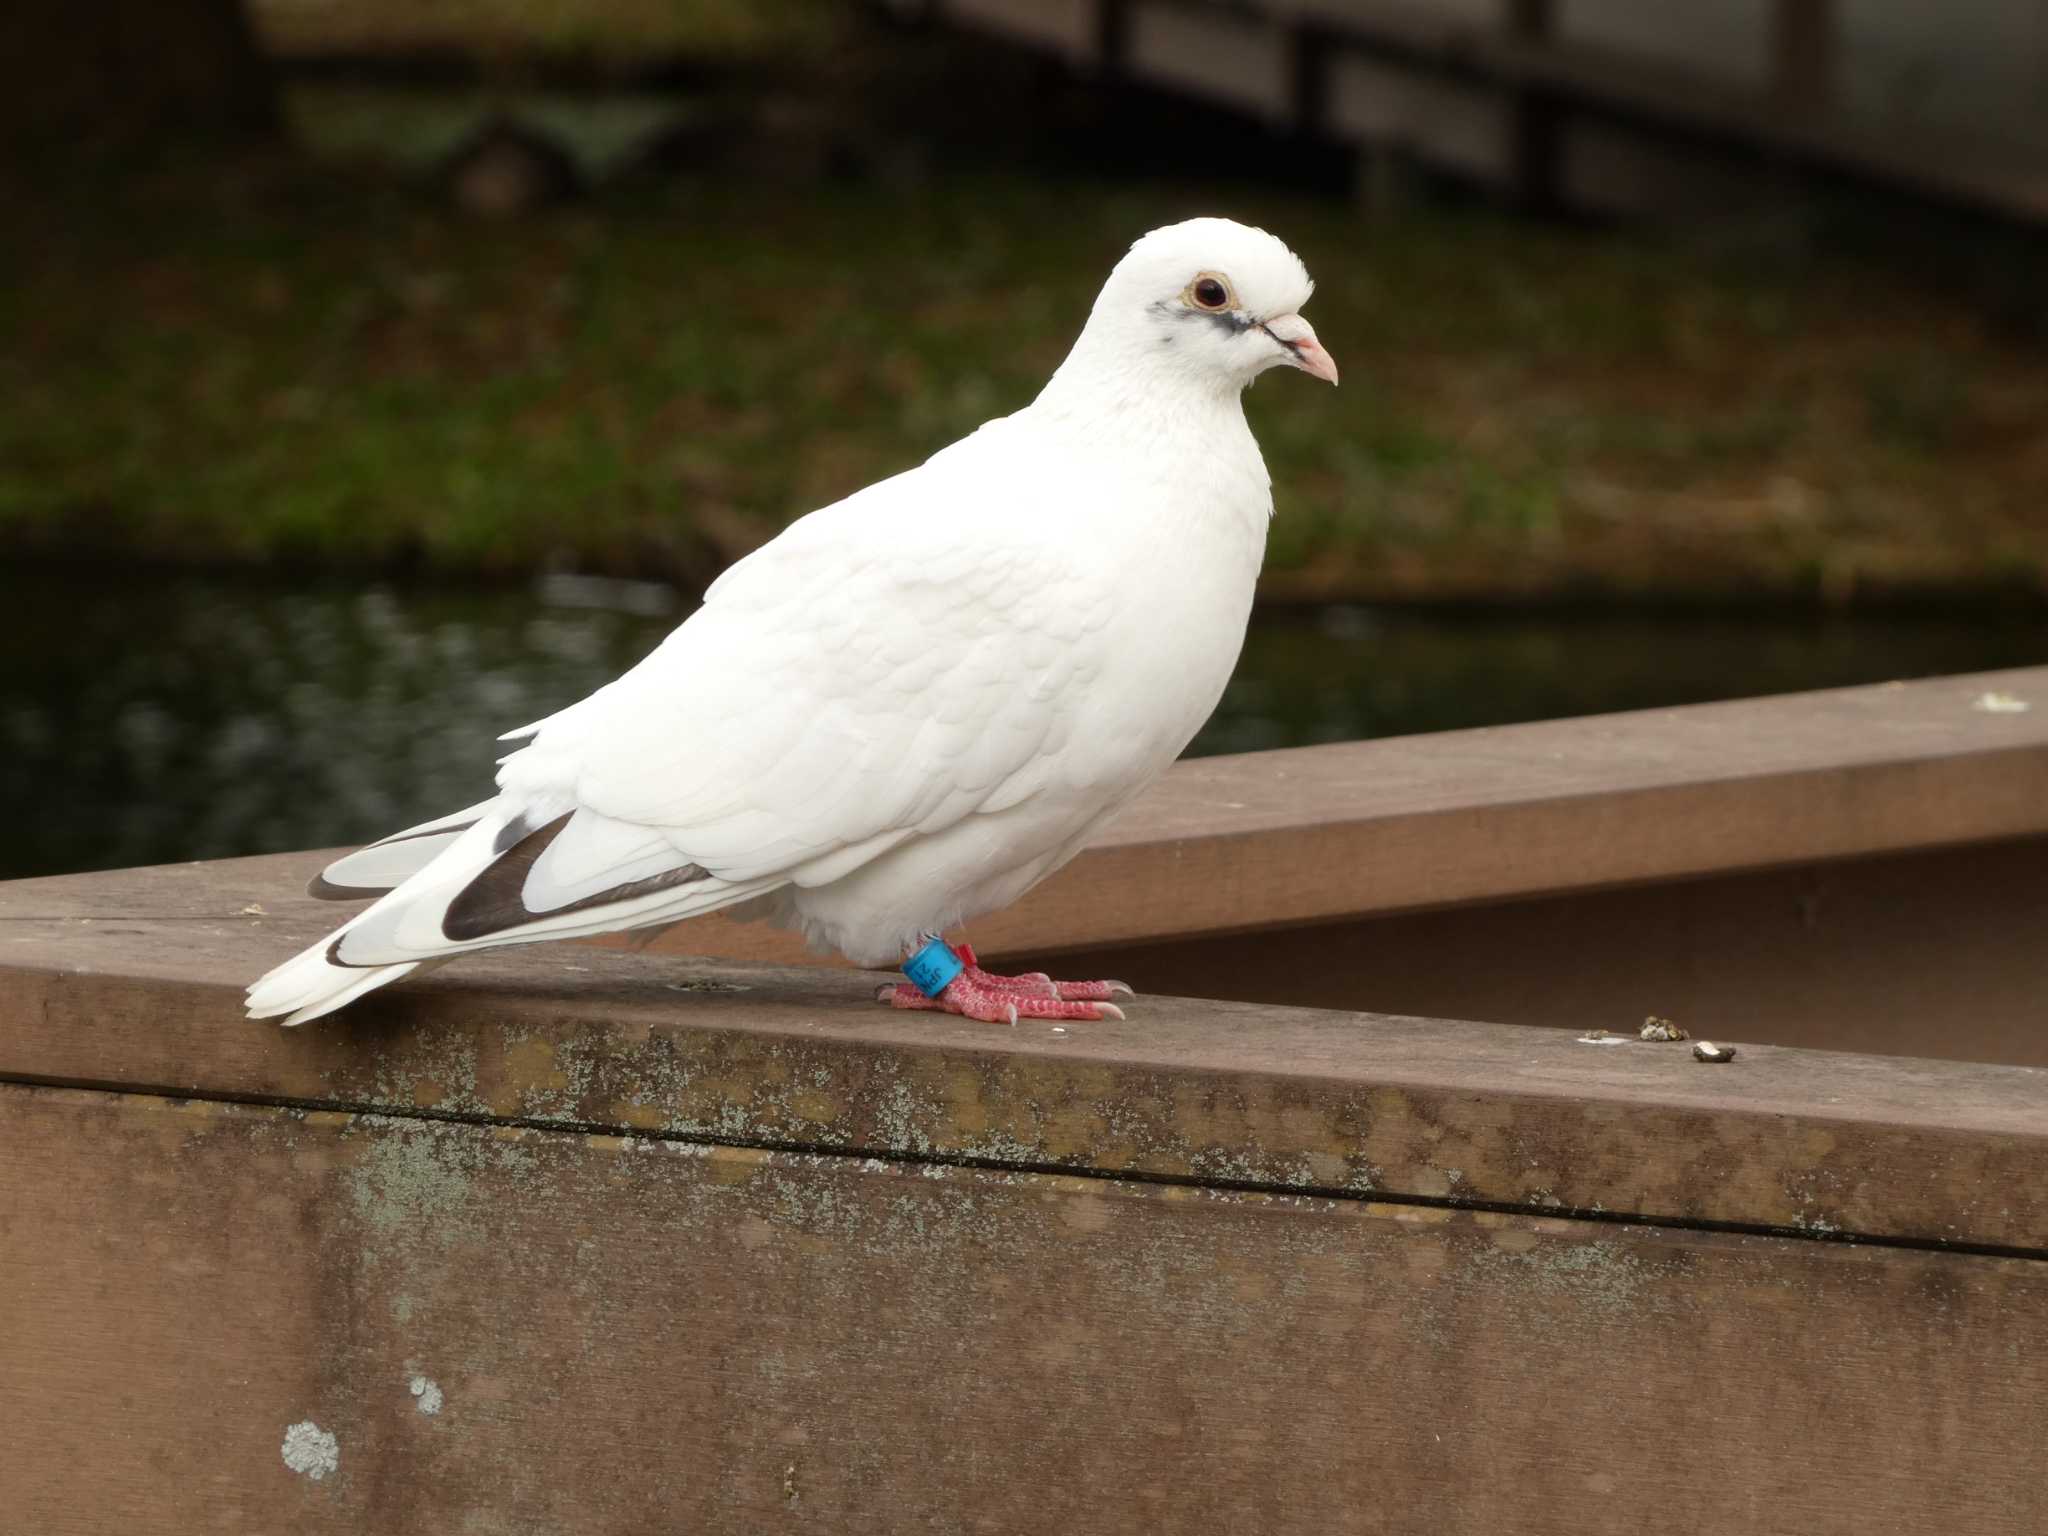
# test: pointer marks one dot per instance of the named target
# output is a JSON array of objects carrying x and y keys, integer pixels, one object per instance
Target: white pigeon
[{"x": 914, "y": 704}]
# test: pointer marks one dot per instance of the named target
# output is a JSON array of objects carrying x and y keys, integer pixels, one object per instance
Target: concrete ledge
[{"x": 137, "y": 987}]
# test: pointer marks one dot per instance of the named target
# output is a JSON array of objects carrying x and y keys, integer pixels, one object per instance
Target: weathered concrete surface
[
  {"x": 227, "y": 1318},
  {"x": 145, "y": 994}
]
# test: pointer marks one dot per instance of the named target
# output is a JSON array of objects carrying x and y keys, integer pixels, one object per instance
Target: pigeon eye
[{"x": 1209, "y": 293}]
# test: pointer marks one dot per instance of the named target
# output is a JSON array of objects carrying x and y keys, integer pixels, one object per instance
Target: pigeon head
[{"x": 1213, "y": 299}]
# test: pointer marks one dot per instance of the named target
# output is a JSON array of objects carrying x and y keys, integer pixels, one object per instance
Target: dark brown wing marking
[
  {"x": 326, "y": 890},
  {"x": 495, "y": 900}
]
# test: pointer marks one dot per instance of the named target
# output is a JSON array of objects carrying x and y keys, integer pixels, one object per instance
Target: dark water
[{"x": 166, "y": 718}]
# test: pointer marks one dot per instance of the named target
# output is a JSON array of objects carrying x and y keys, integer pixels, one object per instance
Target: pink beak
[{"x": 1304, "y": 351}]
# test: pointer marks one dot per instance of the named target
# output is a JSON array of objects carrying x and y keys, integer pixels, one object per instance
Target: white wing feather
[{"x": 837, "y": 691}]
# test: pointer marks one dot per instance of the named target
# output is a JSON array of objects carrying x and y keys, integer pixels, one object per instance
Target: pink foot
[
  {"x": 993, "y": 999},
  {"x": 1038, "y": 984}
]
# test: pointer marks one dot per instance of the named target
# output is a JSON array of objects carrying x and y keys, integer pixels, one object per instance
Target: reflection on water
[{"x": 171, "y": 718}]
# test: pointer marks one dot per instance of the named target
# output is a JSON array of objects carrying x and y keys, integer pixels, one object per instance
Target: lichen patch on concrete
[{"x": 310, "y": 1450}]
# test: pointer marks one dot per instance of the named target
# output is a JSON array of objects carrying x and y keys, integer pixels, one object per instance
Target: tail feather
[
  {"x": 391, "y": 861},
  {"x": 474, "y": 893},
  {"x": 307, "y": 986}
]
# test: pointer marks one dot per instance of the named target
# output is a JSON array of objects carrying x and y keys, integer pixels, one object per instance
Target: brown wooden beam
[
  {"x": 1366, "y": 828},
  {"x": 1362, "y": 829},
  {"x": 1803, "y": 47},
  {"x": 1538, "y": 113},
  {"x": 1932, "y": 954}
]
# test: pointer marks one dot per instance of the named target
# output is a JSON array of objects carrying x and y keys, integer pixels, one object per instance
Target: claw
[{"x": 992, "y": 999}]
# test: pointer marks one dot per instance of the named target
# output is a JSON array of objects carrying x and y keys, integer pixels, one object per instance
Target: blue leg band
[{"x": 932, "y": 967}]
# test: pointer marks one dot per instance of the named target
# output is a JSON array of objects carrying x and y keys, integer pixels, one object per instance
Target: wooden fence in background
[{"x": 1602, "y": 104}]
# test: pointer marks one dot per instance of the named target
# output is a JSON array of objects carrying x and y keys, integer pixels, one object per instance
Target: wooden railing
[
  {"x": 574, "y": 1239},
  {"x": 1552, "y": 102}
]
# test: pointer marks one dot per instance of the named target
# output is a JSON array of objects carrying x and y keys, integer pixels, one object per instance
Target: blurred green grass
[
  {"x": 612, "y": 32},
  {"x": 324, "y": 368}
]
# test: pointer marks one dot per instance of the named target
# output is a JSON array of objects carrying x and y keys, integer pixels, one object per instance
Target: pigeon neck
[{"x": 1109, "y": 383}]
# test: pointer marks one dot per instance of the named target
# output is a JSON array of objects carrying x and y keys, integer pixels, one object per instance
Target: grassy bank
[{"x": 292, "y": 364}]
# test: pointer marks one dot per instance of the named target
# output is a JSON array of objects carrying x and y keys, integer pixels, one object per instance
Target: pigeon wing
[
  {"x": 829, "y": 704},
  {"x": 887, "y": 667},
  {"x": 823, "y": 706}
]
